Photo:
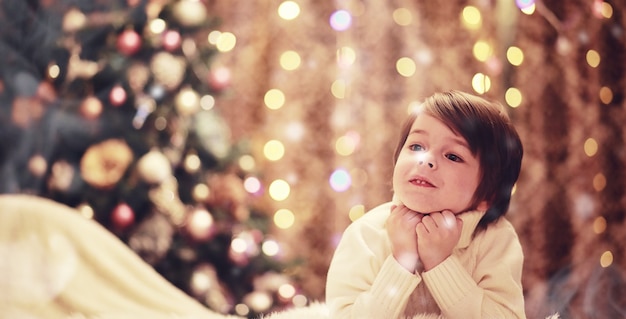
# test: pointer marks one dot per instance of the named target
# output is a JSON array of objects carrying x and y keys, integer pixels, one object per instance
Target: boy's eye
[
  {"x": 415, "y": 147},
  {"x": 454, "y": 158}
]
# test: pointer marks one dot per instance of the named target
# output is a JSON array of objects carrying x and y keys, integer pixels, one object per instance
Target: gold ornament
[
  {"x": 154, "y": 167},
  {"x": 190, "y": 12},
  {"x": 168, "y": 69},
  {"x": 104, "y": 164}
]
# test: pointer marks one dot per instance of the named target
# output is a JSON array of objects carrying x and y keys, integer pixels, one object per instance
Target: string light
[
  {"x": 406, "y": 67},
  {"x": 225, "y": 42},
  {"x": 481, "y": 83},
  {"x": 514, "y": 55},
  {"x": 284, "y": 218},
  {"x": 590, "y": 147},
  {"x": 402, "y": 16},
  {"x": 513, "y": 97},
  {"x": 290, "y": 60},
  {"x": 274, "y": 99},
  {"x": 471, "y": 18},
  {"x": 593, "y": 58},
  {"x": 288, "y": 10},
  {"x": 274, "y": 150},
  {"x": 482, "y": 50},
  {"x": 279, "y": 190}
]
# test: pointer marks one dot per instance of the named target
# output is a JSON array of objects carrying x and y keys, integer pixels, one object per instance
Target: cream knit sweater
[{"x": 481, "y": 279}]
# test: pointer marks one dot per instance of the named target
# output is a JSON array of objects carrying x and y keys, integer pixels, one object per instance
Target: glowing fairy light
[
  {"x": 290, "y": 60},
  {"x": 599, "y": 182},
  {"x": 274, "y": 99},
  {"x": 599, "y": 225},
  {"x": 515, "y": 55},
  {"x": 356, "y": 212},
  {"x": 340, "y": 180},
  {"x": 482, "y": 50},
  {"x": 590, "y": 147},
  {"x": 513, "y": 97},
  {"x": 274, "y": 150},
  {"x": 481, "y": 83},
  {"x": 288, "y": 10},
  {"x": 247, "y": 162},
  {"x": 270, "y": 248},
  {"x": 606, "y": 259},
  {"x": 279, "y": 190},
  {"x": 402, "y": 16},
  {"x": 226, "y": 42},
  {"x": 593, "y": 58},
  {"x": 471, "y": 18},
  {"x": 406, "y": 67},
  {"x": 341, "y": 20},
  {"x": 284, "y": 218},
  {"x": 346, "y": 56},
  {"x": 524, "y": 4}
]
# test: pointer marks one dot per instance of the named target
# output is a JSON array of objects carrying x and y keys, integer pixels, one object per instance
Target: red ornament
[
  {"x": 128, "y": 42},
  {"x": 219, "y": 78},
  {"x": 171, "y": 40},
  {"x": 117, "y": 96},
  {"x": 122, "y": 216}
]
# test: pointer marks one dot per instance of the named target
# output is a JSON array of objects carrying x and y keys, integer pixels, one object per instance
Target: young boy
[{"x": 441, "y": 248}]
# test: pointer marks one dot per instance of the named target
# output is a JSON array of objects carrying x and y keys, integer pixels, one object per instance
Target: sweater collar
[{"x": 470, "y": 222}]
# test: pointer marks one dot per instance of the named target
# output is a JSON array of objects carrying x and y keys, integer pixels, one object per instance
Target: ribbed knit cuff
[
  {"x": 393, "y": 286},
  {"x": 449, "y": 283}
]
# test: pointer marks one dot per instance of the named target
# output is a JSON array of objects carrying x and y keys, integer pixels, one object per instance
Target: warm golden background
[{"x": 313, "y": 98}]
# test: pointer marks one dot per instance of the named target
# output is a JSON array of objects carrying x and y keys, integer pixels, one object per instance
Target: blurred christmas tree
[{"x": 108, "y": 106}]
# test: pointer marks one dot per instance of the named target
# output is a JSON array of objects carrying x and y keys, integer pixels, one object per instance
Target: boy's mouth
[{"x": 421, "y": 182}]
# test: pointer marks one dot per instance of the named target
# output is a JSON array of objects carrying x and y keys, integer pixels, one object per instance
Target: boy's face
[{"x": 435, "y": 170}]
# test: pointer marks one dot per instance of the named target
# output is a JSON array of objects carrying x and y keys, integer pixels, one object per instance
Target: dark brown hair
[{"x": 491, "y": 137}]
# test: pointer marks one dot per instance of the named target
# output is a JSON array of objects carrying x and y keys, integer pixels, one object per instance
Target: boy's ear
[{"x": 482, "y": 206}]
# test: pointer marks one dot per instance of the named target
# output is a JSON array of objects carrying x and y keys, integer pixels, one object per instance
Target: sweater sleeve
[
  {"x": 364, "y": 280},
  {"x": 493, "y": 289}
]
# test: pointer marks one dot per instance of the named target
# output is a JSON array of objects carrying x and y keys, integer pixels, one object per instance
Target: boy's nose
[{"x": 425, "y": 159}]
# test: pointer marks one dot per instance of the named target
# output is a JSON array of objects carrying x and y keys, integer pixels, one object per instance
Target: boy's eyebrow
[{"x": 457, "y": 140}]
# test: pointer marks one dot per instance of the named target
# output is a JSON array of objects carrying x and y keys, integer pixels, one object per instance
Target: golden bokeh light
[
  {"x": 157, "y": 26},
  {"x": 606, "y": 10},
  {"x": 226, "y": 42},
  {"x": 279, "y": 190},
  {"x": 591, "y": 147},
  {"x": 606, "y": 259},
  {"x": 513, "y": 97},
  {"x": 599, "y": 182},
  {"x": 599, "y": 225},
  {"x": 274, "y": 99},
  {"x": 481, "y": 83},
  {"x": 284, "y": 218},
  {"x": 289, "y": 10},
  {"x": 345, "y": 145},
  {"x": 274, "y": 150},
  {"x": 346, "y": 56},
  {"x": 402, "y": 16},
  {"x": 593, "y": 58},
  {"x": 471, "y": 18},
  {"x": 338, "y": 89},
  {"x": 247, "y": 162},
  {"x": 515, "y": 56},
  {"x": 482, "y": 50},
  {"x": 356, "y": 212},
  {"x": 406, "y": 66},
  {"x": 290, "y": 60},
  {"x": 606, "y": 95}
]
